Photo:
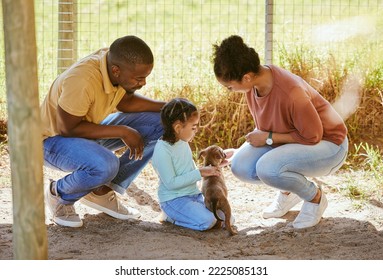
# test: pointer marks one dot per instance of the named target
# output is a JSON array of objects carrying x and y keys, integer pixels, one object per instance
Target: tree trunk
[{"x": 24, "y": 130}]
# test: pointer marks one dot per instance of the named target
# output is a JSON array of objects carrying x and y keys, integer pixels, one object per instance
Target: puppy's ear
[
  {"x": 202, "y": 154},
  {"x": 222, "y": 153}
]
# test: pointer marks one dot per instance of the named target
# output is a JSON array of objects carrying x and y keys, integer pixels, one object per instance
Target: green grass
[{"x": 363, "y": 179}]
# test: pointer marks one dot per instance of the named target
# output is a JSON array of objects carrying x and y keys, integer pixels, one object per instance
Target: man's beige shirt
[{"x": 83, "y": 90}]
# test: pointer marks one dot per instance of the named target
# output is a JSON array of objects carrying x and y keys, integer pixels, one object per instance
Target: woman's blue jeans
[
  {"x": 92, "y": 163},
  {"x": 286, "y": 167}
]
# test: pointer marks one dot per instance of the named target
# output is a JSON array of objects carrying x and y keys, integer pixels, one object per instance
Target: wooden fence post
[
  {"x": 24, "y": 130},
  {"x": 67, "y": 34},
  {"x": 269, "y": 21}
]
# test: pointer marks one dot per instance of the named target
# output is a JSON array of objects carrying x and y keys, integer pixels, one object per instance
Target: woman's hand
[
  {"x": 257, "y": 138},
  {"x": 229, "y": 156}
]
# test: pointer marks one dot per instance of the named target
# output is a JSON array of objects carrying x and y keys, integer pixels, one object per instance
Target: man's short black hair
[{"x": 132, "y": 50}]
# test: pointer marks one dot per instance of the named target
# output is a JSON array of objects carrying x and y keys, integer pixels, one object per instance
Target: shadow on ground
[{"x": 105, "y": 238}]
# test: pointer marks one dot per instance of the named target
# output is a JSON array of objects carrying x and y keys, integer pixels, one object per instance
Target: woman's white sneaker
[
  {"x": 311, "y": 213},
  {"x": 281, "y": 205}
]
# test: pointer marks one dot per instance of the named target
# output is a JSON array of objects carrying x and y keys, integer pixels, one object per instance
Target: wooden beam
[
  {"x": 269, "y": 22},
  {"x": 24, "y": 129},
  {"x": 67, "y": 34}
]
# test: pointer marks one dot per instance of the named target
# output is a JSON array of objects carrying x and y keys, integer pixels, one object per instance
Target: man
[{"x": 90, "y": 111}]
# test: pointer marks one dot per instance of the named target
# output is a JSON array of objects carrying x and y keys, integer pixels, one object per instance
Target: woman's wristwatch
[{"x": 269, "y": 140}]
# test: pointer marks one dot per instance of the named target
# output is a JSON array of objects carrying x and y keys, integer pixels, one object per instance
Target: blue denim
[
  {"x": 189, "y": 212},
  {"x": 92, "y": 163},
  {"x": 286, "y": 167}
]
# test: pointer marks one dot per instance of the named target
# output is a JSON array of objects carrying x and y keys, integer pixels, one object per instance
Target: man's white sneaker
[
  {"x": 311, "y": 213},
  {"x": 281, "y": 205},
  {"x": 111, "y": 205}
]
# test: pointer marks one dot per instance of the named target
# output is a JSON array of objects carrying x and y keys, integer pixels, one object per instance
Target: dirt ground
[{"x": 346, "y": 232}]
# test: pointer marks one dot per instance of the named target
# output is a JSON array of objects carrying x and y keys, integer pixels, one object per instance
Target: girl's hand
[{"x": 207, "y": 171}]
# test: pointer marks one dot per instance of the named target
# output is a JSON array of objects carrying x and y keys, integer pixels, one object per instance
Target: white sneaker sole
[{"x": 67, "y": 223}]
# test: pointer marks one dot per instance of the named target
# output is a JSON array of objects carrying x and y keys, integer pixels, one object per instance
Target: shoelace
[{"x": 68, "y": 210}]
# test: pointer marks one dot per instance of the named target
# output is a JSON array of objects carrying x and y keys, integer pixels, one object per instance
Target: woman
[{"x": 298, "y": 134}]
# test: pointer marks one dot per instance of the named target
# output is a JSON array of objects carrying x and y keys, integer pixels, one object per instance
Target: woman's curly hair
[{"x": 233, "y": 59}]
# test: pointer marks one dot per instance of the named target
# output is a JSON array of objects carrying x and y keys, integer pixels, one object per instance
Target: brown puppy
[{"x": 214, "y": 188}]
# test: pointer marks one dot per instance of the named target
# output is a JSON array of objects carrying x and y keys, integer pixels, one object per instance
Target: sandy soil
[{"x": 344, "y": 233}]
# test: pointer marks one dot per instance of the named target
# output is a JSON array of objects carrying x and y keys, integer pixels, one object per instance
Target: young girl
[{"x": 180, "y": 199}]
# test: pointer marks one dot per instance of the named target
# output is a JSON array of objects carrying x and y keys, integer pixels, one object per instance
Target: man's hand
[{"x": 134, "y": 142}]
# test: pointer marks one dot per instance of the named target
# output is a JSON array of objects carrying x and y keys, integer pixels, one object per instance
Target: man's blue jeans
[
  {"x": 287, "y": 167},
  {"x": 92, "y": 163}
]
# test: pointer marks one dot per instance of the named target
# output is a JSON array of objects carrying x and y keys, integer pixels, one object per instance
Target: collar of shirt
[{"x": 108, "y": 86}]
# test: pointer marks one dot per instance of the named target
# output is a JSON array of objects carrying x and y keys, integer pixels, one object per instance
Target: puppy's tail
[{"x": 214, "y": 207}]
